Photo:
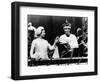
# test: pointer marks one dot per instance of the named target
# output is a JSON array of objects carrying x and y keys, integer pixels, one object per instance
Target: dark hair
[{"x": 66, "y": 24}]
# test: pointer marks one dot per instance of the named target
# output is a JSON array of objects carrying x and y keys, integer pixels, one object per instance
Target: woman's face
[{"x": 43, "y": 33}]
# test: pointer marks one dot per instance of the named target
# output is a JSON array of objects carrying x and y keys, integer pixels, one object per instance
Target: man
[
  {"x": 31, "y": 35},
  {"x": 30, "y": 27},
  {"x": 68, "y": 41},
  {"x": 31, "y": 31}
]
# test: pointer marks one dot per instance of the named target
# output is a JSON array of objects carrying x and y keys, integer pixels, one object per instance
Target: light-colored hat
[
  {"x": 39, "y": 29},
  {"x": 66, "y": 27}
]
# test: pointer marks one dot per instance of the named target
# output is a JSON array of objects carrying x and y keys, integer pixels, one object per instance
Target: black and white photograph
[
  {"x": 53, "y": 40},
  {"x": 57, "y": 40}
]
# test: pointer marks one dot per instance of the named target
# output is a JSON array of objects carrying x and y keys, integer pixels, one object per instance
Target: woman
[{"x": 40, "y": 46}]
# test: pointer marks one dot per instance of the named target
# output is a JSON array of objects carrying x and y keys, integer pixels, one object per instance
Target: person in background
[
  {"x": 31, "y": 36},
  {"x": 82, "y": 42},
  {"x": 31, "y": 31}
]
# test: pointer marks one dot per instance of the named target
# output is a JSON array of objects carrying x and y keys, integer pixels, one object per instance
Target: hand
[
  {"x": 67, "y": 46},
  {"x": 56, "y": 39}
]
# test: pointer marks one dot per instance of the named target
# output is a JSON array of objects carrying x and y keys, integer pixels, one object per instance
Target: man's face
[
  {"x": 43, "y": 33},
  {"x": 67, "y": 30}
]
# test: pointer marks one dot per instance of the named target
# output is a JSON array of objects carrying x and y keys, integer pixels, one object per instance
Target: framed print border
[{"x": 15, "y": 40}]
